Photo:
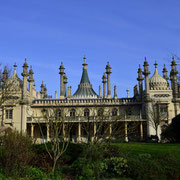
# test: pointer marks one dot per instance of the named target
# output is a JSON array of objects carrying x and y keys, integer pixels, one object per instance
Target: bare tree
[
  {"x": 157, "y": 115},
  {"x": 105, "y": 125},
  {"x": 59, "y": 133}
]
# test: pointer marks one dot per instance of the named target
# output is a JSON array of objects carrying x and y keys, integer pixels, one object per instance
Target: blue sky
[{"x": 121, "y": 32}]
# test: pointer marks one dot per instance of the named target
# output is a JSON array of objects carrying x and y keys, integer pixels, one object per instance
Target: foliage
[
  {"x": 16, "y": 152},
  {"x": 59, "y": 133},
  {"x": 115, "y": 166},
  {"x": 172, "y": 132},
  {"x": 35, "y": 173}
]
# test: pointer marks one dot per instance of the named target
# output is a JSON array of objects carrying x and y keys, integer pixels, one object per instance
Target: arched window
[
  {"x": 114, "y": 112},
  {"x": 59, "y": 113},
  {"x": 72, "y": 112},
  {"x": 86, "y": 112},
  {"x": 100, "y": 112}
]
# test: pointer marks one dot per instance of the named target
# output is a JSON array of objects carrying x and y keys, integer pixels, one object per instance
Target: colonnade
[{"x": 79, "y": 135}]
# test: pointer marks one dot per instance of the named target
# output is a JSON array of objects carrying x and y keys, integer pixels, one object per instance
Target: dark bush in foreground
[
  {"x": 172, "y": 132},
  {"x": 16, "y": 153}
]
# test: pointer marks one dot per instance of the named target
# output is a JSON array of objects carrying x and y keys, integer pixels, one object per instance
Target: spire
[
  {"x": 31, "y": 79},
  {"x": 156, "y": 71},
  {"x": 15, "y": 66},
  {"x": 85, "y": 90},
  {"x": 5, "y": 74},
  {"x": 85, "y": 78}
]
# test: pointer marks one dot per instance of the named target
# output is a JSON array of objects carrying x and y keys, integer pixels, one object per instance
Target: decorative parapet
[{"x": 70, "y": 102}]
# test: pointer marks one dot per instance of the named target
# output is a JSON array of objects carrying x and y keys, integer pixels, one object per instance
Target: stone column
[
  {"x": 61, "y": 72},
  {"x": 110, "y": 129},
  {"x": 99, "y": 91},
  {"x": 108, "y": 72},
  {"x": 94, "y": 130},
  {"x": 108, "y": 86},
  {"x": 55, "y": 94},
  {"x": 115, "y": 92},
  {"x": 79, "y": 132},
  {"x": 104, "y": 85},
  {"x": 141, "y": 130},
  {"x": 126, "y": 132},
  {"x": 47, "y": 126},
  {"x": 32, "y": 130}
]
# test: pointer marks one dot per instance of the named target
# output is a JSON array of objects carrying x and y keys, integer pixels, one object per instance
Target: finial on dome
[
  {"x": 84, "y": 59},
  {"x": 155, "y": 64},
  {"x": 145, "y": 58},
  {"x": 173, "y": 58},
  {"x": 84, "y": 64}
]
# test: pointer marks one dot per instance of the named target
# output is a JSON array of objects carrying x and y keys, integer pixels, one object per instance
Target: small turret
[
  {"x": 31, "y": 80},
  {"x": 108, "y": 72},
  {"x": 140, "y": 80},
  {"x": 127, "y": 93},
  {"x": 5, "y": 75},
  {"x": 115, "y": 92},
  {"x": 165, "y": 76},
  {"x": 25, "y": 75},
  {"x": 104, "y": 80},
  {"x": 65, "y": 82},
  {"x": 99, "y": 91},
  {"x": 173, "y": 78},
  {"x": 61, "y": 72}
]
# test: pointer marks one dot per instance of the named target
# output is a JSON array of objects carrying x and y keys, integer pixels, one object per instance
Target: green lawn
[{"x": 155, "y": 149}]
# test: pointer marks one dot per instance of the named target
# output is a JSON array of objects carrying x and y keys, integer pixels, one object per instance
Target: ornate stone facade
[{"x": 25, "y": 112}]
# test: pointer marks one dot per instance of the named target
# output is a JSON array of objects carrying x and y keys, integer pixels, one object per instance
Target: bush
[
  {"x": 16, "y": 153},
  {"x": 114, "y": 166},
  {"x": 172, "y": 132},
  {"x": 35, "y": 174}
]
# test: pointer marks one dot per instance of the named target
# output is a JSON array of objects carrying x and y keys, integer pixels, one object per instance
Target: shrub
[
  {"x": 16, "y": 152},
  {"x": 172, "y": 132},
  {"x": 35, "y": 174},
  {"x": 114, "y": 166}
]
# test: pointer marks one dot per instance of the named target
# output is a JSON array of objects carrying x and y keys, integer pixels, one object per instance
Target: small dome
[{"x": 157, "y": 81}]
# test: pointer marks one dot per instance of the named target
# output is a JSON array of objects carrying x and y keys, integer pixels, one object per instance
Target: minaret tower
[
  {"x": 25, "y": 75},
  {"x": 147, "y": 104},
  {"x": 140, "y": 80},
  {"x": 146, "y": 74},
  {"x": 24, "y": 97},
  {"x": 104, "y": 80},
  {"x": 108, "y": 72},
  {"x": 65, "y": 82},
  {"x": 173, "y": 78},
  {"x": 174, "y": 85},
  {"x": 165, "y": 76},
  {"x": 31, "y": 80},
  {"x": 61, "y": 72}
]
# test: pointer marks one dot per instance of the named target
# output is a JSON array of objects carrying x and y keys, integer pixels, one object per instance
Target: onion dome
[
  {"x": 157, "y": 82},
  {"x": 65, "y": 78},
  {"x": 104, "y": 78},
  {"x": 108, "y": 68},
  {"x": 14, "y": 80},
  {"x": 31, "y": 79},
  {"x": 85, "y": 90},
  {"x": 61, "y": 69}
]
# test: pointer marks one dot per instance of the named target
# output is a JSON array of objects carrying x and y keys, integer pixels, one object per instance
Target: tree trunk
[{"x": 54, "y": 165}]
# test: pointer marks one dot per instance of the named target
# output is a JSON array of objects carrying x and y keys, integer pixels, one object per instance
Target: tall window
[
  {"x": 100, "y": 112},
  {"x": 114, "y": 112},
  {"x": 58, "y": 113},
  {"x": 9, "y": 114},
  {"x": 86, "y": 112},
  {"x": 72, "y": 112}
]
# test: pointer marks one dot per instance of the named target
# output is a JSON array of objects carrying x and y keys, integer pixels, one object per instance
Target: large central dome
[
  {"x": 157, "y": 81},
  {"x": 85, "y": 90}
]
